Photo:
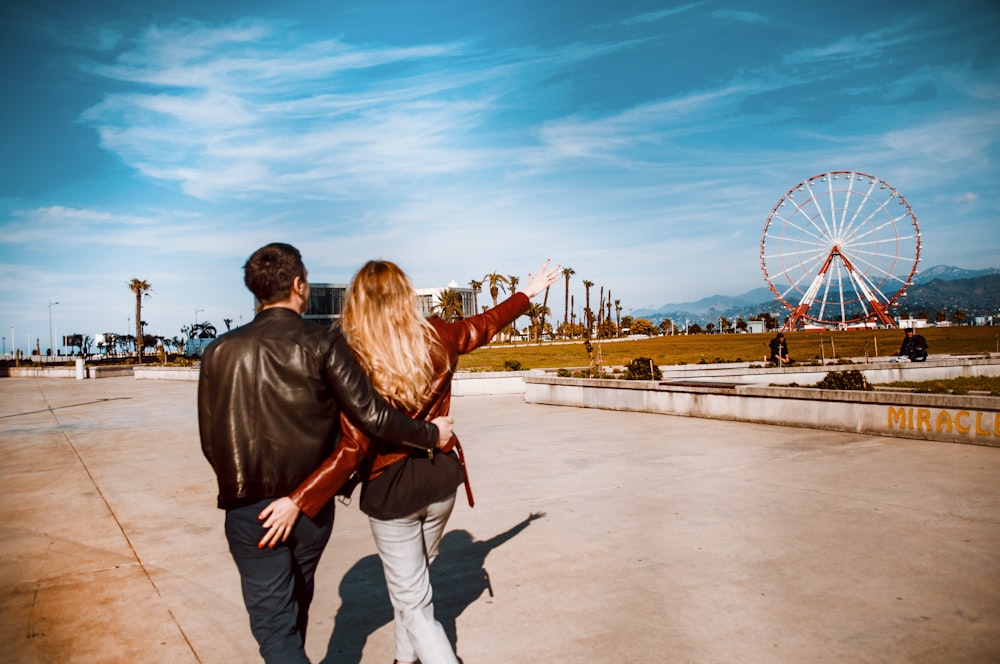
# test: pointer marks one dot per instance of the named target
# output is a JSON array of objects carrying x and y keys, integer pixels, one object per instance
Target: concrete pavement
[{"x": 598, "y": 536}]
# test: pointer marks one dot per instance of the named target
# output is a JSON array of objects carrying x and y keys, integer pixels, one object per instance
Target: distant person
[
  {"x": 407, "y": 495},
  {"x": 779, "y": 350},
  {"x": 270, "y": 397},
  {"x": 914, "y": 346}
]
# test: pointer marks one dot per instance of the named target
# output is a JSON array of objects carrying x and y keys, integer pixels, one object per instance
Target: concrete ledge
[
  {"x": 151, "y": 372},
  {"x": 40, "y": 372},
  {"x": 142, "y": 372},
  {"x": 467, "y": 383},
  {"x": 110, "y": 371},
  {"x": 955, "y": 419},
  {"x": 876, "y": 371}
]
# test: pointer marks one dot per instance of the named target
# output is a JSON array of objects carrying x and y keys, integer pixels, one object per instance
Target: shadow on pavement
[{"x": 458, "y": 577}]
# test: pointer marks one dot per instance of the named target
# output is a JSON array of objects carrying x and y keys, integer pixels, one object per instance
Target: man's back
[{"x": 266, "y": 415}]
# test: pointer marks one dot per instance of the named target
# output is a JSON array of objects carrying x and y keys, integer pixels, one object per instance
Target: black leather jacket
[{"x": 269, "y": 401}]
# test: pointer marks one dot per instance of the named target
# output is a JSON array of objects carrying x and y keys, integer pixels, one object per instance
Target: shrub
[
  {"x": 511, "y": 365},
  {"x": 564, "y": 373},
  {"x": 844, "y": 380},
  {"x": 642, "y": 368}
]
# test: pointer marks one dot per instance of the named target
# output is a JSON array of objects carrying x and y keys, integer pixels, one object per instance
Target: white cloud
[
  {"x": 742, "y": 16},
  {"x": 659, "y": 15}
]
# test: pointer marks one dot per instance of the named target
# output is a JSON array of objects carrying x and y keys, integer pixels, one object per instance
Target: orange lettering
[
  {"x": 897, "y": 416},
  {"x": 943, "y": 419},
  {"x": 980, "y": 431},
  {"x": 923, "y": 417},
  {"x": 962, "y": 428}
]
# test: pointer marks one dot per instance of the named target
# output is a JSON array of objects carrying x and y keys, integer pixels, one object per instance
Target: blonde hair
[{"x": 391, "y": 339}]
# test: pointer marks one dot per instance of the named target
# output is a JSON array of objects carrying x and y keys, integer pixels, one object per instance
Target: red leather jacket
[{"x": 356, "y": 451}]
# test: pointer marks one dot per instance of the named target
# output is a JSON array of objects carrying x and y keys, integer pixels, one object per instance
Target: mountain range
[{"x": 939, "y": 288}]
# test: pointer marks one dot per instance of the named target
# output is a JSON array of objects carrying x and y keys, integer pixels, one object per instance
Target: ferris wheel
[{"x": 840, "y": 248}]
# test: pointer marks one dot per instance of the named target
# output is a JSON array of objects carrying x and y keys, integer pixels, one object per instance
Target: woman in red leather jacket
[{"x": 408, "y": 495}]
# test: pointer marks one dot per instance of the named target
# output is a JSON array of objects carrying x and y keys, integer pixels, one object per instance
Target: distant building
[
  {"x": 326, "y": 301},
  {"x": 911, "y": 322},
  {"x": 428, "y": 298}
]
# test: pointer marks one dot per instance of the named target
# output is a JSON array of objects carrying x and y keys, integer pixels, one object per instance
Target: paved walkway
[{"x": 598, "y": 536}]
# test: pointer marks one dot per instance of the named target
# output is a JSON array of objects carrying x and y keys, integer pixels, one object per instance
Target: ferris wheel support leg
[
  {"x": 882, "y": 315},
  {"x": 795, "y": 318}
]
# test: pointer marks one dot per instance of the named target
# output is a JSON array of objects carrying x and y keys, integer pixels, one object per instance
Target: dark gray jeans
[{"x": 278, "y": 583}]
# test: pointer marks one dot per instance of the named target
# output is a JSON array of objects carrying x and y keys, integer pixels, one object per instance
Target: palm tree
[
  {"x": 618, "y": 315},
  {"x": 449, "y": 305},
  {"x": 607, "y": 303},
  {"x": 141, "y": 288},
  {"x": 566, "y": 273},
  {"x": 536, "y": 313},
  {"x": 228, "y": 322},
  {"x": 477, "y": 288},
  {"x": 587, "y": 313},
  {"x": 545, "y": 308},
  {"x": 497, "y": 282},
  {"x": 512, "y": 280},
  {"x": 206, "y": 330}
]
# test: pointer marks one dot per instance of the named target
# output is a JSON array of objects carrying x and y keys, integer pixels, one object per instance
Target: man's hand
[
  {"x": 279, "y": 517},
  {"x": 444, "y": 425}
]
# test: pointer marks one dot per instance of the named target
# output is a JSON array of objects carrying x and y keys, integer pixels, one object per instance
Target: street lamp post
[{"x": 51, "y": 346}]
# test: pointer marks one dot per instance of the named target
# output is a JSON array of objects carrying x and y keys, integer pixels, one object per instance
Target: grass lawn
[
  {"x": 718, "y": 348},
  {"x": 975, "y": 384}
]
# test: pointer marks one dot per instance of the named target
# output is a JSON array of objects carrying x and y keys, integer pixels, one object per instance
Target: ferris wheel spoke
[
  {"x": 880, "y": 206},
  {"x": 861, "y": 292},
  {"x": 825, "y": 298},
  {"x": 840, "y": 288},
  {"x": 819, "y": 209},
  {"x": 806, "y": 258},
  {"x": 807, "y": 268},
  {"x": 858, "y": 257},
  {"x": 868, "y": 287},
  {"x": 861, "y": 206},
  {"x": 802, "y": 229},
  {"x": 847, "y": 203},
  {"x": 891, "y": 223}
]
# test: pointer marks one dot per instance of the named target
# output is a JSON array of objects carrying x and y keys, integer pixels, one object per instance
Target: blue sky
[{"x": 643, "y": 144}]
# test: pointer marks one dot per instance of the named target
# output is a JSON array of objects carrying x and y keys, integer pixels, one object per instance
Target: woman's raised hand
[{"x": 545, "y": 277}]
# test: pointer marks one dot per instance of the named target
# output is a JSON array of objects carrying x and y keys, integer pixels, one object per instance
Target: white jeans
[{"x": 407, "y": 547}]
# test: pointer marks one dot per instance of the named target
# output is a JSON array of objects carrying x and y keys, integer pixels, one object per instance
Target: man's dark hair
[{"x": 270, "y": 272}]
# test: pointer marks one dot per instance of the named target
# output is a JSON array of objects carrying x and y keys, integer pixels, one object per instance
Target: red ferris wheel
[{"x": 839, "y": 249}]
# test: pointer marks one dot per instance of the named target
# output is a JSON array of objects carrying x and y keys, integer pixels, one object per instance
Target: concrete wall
[
  {"x": 957, "y": 419},
  {"x": 488, "y": 382},
  {"x": 881, "y": 371},
  {"x": 40, "y": 372},
  {"x": 150, "y": 372}
]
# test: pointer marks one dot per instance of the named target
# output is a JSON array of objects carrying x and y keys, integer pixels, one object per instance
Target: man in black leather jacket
[{"x": 270, "y": 395}]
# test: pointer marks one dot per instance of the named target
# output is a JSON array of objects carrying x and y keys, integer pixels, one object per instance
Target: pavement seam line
[
  {"x": 107, "y": 505},
  {"x": 51, "y": 409}
]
